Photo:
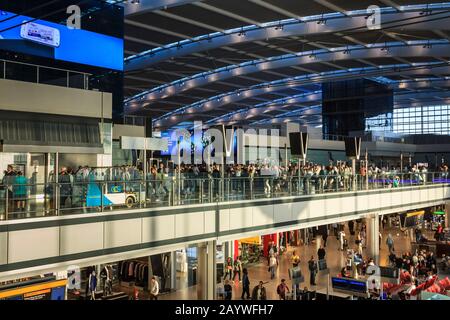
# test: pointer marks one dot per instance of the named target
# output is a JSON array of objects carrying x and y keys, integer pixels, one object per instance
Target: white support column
[
  {"x": 206, "y": 272},
  {"x": 373, "y": 237}
]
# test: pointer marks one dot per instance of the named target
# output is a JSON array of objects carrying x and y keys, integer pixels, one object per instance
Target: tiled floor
[{"x": 335, "y": 261}]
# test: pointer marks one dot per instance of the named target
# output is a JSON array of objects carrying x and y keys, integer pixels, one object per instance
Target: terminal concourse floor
[{"x": 335, "y": 261}]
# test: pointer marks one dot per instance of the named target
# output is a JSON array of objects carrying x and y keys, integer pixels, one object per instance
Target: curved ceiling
[{"x": 251, "y": 52}]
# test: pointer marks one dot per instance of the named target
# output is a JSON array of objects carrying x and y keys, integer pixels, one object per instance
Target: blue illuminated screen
[
  {"x": 184, "y": 144},
  {"x": 57, "y": 41}
]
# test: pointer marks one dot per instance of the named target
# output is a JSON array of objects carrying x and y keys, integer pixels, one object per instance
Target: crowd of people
[
  {"x": 421, "y": 265},
  {"x": 261, "y": 178}
]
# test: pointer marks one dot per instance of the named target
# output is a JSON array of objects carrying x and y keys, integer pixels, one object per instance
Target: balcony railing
[
  {"x": 21, "y": 71},
  {"x": 18, "y": 201}
]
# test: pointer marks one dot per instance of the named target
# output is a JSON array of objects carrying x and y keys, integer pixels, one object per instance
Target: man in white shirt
[
  {"x": 341, "y": 239},
  {"x": 154, "y": 291}
]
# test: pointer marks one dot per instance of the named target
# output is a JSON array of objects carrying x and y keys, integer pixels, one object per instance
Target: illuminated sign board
[
  {"x": 42, "y": 38},
  {"x": 51, "y": 290}
]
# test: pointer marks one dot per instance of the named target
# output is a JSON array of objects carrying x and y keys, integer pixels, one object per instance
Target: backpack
[{"x": 279, "y": 289}]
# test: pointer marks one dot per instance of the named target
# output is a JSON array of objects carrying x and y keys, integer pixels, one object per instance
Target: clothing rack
[{"x": 134, "y": 270}]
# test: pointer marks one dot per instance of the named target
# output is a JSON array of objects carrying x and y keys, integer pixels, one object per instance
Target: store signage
[
  {"x": 51, "y": 290},
  {"x": 251, "y": 240},
  {"x": 415, "y": 213},
  {"x": 439, "y": 213}
]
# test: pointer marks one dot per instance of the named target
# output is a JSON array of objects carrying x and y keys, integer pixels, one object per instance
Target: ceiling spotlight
[
  {"x": 385, "y": 49},
  {"x": 241, "y": 33},
  {"x": 279, "y": 27},
  {"x": 135, "y": 1}
]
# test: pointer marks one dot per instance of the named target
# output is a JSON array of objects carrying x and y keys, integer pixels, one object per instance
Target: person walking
[
  {"x": 20, "y": 191},
  {"x": 325, "y": 237},
  {"x": 390, "y": 243},
  {"x": 259, "y": 292},
  {"x": 273, "y": 264},
  {"x": 359, "y": 243},
  {"x": 321, "y": 253},
  {"x": 227, "y": 288},
  {"x": 341, "y": 239},
  {"x": 237, "y": 268},
  {"x": 154, "y": 291},
  {"x": 312, "y": 266},
  {"x": 351, "y": 226},
  {"x": 228, "y": 268},
  {"x": 282, "y": 288},
  {"x": 245, "y": 284},
  {"x": 295, "y": 259}
]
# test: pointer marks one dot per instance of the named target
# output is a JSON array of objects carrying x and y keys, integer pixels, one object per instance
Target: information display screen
[
  {"x": 350, "y": 285},
  {"x": 24, "y": 34}
]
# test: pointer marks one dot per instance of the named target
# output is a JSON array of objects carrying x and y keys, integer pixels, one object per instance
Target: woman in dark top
[{"x": 245, "y": 285}]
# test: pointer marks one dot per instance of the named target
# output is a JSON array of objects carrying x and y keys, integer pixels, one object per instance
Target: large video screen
[
  {"x": 42, "y": 38},
  {"x": 194, "y": 142}
]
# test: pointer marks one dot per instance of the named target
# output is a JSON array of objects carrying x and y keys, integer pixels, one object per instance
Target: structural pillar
[
  {"x": 173, "y": 270},
  {"x": 373, "y": 237},
  {"x": 206, "y": 272}
]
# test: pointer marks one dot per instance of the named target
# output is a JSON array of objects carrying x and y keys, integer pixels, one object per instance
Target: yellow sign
[
  {"x": 32, "y": 289},
  {"x": 415, "y": 213},
  {"x": 252, "y": 240}
]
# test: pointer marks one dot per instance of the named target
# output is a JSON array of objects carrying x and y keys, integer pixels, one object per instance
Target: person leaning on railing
[{"x": 20, "y": 191}]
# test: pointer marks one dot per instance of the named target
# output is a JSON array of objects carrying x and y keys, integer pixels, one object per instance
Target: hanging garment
[{"x": 131, "y": 269}]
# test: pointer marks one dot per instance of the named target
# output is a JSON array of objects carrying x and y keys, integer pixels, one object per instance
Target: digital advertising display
[
  {"x": 185, "y": 144},
  {"x": 24, "y": 34}
]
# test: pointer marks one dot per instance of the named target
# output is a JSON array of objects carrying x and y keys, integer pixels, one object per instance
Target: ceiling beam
[
  {"x": 391, "y": 50},
  {"x": 212, "y": 103},
  {"x": 279, "y": 29},
  {"x": 144, "y": 6},
  {"x": 275, "y": 9}
]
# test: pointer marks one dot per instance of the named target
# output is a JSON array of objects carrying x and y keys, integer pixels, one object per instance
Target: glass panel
[
  {"x": 76, "y": 80},
  {"x": 53, "y": 77},
  {"x": 21, "y": 72}
]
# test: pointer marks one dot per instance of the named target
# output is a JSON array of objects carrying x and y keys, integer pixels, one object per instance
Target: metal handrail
[
  {"x": 171, "y": 191},
  {"x": 42, "y": 66},
  {"x": 85, "y": 75}
]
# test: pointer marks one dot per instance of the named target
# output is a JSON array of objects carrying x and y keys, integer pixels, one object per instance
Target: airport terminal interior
[{"x": 224, "y": 150}]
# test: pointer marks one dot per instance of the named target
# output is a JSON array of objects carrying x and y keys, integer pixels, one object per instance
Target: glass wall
[{"x": 417, "y": 120}]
